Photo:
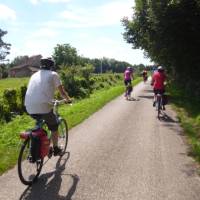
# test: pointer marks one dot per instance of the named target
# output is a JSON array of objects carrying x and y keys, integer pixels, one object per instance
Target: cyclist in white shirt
[{"x": 39, "y": 95}]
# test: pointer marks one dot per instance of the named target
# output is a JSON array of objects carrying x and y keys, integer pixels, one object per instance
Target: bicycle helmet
[
  {"x": 129, "y": 68},
  {"x": 160, "y": 69},
  {"x": 47, "y": 63}
]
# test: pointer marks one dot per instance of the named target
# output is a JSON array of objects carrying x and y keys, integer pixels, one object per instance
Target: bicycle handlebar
[{"x": 58, "y": 102}]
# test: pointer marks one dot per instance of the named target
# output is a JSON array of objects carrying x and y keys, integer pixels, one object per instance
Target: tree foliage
[
  {"x": 19, "y": 60},
  {"x": 4, "y": 47},
  {"x": 168, "y": 31},
  {"x": 65, "y": 54}
]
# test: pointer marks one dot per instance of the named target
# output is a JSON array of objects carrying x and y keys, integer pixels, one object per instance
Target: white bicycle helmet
[{"x": 160, "y": 68}]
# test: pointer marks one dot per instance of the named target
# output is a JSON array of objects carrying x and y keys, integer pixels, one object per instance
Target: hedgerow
[{"x": 79, "y": 81}]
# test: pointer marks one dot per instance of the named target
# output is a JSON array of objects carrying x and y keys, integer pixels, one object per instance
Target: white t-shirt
[{"x": 40, "y": 91}]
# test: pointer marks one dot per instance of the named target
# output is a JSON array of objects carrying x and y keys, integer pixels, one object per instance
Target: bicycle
[
  {"x": 159, "y": 104},
  {"x": 29, "y": 164},
  {"x": 145, "y": 77}
]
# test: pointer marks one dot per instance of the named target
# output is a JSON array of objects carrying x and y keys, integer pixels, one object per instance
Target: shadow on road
[
  {"x": 146, "y": 96},
  {"x": 132, "y": 99},
  {"x": 149, "y": 91},
  {"x": 166, "y": 118},
  {"x": 48, "y": 185}
]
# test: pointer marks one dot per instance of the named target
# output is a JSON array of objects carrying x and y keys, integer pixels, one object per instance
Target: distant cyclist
[
  {"x": 128, "y": 76},
  {"x": 157, "y": 82},
  {"x": 144, "y": 75}
]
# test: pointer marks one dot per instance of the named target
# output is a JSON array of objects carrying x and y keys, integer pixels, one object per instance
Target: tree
[
  {"x": 3, "y": 71},
  {"x": 168, "y": 31},
  {"x": 4, "y": 47},
  {"x": 65, "y": 55},
  {"x": 19, "y": 60}
]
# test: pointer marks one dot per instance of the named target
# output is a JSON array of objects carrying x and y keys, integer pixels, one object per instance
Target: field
[{"x": 13, "y": 83}]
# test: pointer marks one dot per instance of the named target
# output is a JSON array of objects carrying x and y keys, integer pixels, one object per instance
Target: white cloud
[
  {"x": 56, "y": 1},
  {"x": 48, "y": 1},
  {"x": 31, "y": 48},
  {"x": 44, "y": 33},
  {"x": 104, "y": 15},
  {"x": 34, "y": 1},
  {"x": 87, "y": 41},
  {"x": 110, "y": 48},
  {"x": 7, "y": 13},
  {"x": 38, "y": 47},
  {"x": 41, "y": 42}
]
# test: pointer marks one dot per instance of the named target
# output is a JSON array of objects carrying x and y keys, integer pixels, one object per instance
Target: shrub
[
  {"x": 5, "y": 114},
  {"x": 10, "y": 98},
  {"x": 22, "y": 98}
]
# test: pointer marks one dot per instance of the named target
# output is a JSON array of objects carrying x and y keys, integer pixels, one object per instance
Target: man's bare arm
[{"x": 63, "y": 93}]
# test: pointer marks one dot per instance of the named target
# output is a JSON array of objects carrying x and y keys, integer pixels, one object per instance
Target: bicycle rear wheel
[
  {"x": 158, "y": 106},
  {"x": 28, "y": 171},
  {"x": 62, "y": 135}
]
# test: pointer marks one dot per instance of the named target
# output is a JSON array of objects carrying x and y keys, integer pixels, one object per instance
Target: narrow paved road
[{"x": 122, "y": 152}]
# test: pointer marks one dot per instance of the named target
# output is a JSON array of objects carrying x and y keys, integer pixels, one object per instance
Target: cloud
[
  {"x": 48, "y": 1},
  {"x": 104, "y": 15},
  {"x": 98, "y": 47},
  {"x": 7, "y": 13},
  {"x": 43, "y": 33},
  {"x": 32, "y": 47}
]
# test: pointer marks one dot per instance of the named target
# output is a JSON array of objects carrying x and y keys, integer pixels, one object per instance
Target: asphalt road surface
[{"x": 122, "y": 152}]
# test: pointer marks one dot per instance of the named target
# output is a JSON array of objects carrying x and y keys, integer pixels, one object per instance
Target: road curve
[{"x": 122, "y": 152}]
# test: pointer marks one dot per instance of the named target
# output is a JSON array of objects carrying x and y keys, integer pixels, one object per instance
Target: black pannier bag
[
  {"x": 35, "y": 147},
  {"x": 165, "y": 99}
]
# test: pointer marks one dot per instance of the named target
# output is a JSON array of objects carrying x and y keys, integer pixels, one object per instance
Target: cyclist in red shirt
[{"x": 157, "y": 82}]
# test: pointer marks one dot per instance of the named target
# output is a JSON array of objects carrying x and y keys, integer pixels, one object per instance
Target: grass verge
[
  {"x": 9, "y": 133},
  {"x": 188, "y": 110}
]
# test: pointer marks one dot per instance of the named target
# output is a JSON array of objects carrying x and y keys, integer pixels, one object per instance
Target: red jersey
[{"x": 158, "y": 80}]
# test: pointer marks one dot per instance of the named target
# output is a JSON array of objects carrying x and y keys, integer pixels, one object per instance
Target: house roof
[
  {"x": 33, "y": 61},
  {"x": 33, "y": 69},
  {"x": 21, "y": 67}
]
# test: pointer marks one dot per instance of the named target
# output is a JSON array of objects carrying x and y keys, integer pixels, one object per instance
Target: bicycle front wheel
[
  {"x": 28, "y": 171},
  {"x": 62, "y": 135}
]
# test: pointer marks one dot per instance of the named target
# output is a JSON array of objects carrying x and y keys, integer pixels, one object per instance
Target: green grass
[
  {"x": 13, "y": 83},
  {"x": 75, "y": 114},
  {"x": 188, "y": 110}
]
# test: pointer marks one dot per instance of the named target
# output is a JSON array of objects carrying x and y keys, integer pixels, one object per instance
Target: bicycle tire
[
  {"x": 158, "y": 106},
  {"x": 24, "y": 164},
  {"x": 158, "y": 110},
  {"x": 62, "y": 135}
]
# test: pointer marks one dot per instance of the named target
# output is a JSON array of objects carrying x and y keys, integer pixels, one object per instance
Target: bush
[
  {"x": 10, "y": 98},
  {"x": 12, "y": 102},
  {"x": 76, "y": 86},
  {"x": 22, "y": 98},
  {"x": 5, "y": 114}
]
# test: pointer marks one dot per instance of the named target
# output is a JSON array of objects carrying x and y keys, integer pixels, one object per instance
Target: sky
[{"x": 93, "y": 27}]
